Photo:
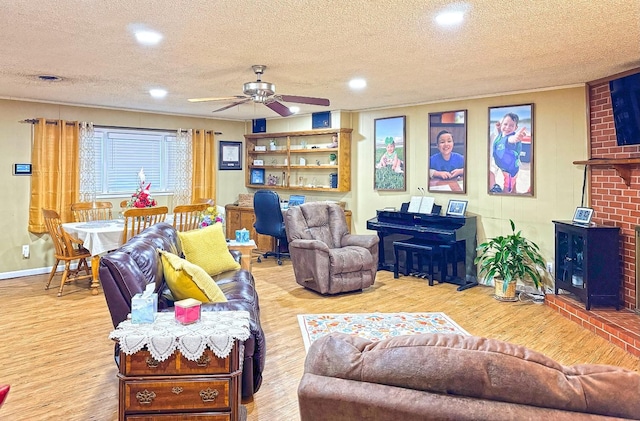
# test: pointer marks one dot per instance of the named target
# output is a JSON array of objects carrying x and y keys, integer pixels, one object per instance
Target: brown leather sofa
[
  {"x": 455, "y": 377},
  {"x": 127, "y": 270}
]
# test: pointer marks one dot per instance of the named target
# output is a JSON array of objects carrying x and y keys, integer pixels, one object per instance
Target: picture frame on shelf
[
  {"x": 511, "y": 146},
  {"x": 230, "y": 157},
  {"x": 390, "y": 146},
  {"x": 447, "y": 152},
  {"x": 257, "y": 176},
  {"x": 582, "y": 216},
  {"x": 456, "y": 207}
]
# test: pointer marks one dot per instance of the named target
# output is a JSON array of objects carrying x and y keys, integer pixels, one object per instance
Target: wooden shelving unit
[{"x": 312, "y": 146}]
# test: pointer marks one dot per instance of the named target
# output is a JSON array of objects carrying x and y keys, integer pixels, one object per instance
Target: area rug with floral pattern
[{"x": 375, "y": 326}]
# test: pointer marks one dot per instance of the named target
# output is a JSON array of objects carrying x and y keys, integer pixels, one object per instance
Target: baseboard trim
[{"x": 35, "y": 271}]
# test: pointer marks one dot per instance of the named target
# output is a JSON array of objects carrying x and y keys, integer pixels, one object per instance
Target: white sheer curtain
[
  {"x": 182, "y": 194},
  {"x": 87, "y": 160}
]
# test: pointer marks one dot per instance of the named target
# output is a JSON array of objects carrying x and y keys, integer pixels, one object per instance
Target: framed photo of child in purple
[
  {"x": 390, "y": 146},
  {"x": 447, "y": 151},
  {"x": 511, "y": 150}
]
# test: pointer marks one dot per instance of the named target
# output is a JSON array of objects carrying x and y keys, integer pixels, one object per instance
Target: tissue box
[
  {"x": 242, "y": 236},
  {"x": 144, "y": 309},
  {"x": 187, "y": 311}
]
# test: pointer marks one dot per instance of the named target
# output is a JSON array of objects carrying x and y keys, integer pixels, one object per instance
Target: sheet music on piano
[{"x": 421, "y": 204}]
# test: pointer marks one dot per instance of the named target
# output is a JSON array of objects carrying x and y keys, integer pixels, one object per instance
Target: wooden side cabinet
[
  {"x": 588, "y": 262},
  {"x": 177, "y": 388},
  {"x": 238, "y": 217}
]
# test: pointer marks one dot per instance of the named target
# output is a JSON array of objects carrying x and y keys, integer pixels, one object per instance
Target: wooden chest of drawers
[{"x": 179, "y": 389}]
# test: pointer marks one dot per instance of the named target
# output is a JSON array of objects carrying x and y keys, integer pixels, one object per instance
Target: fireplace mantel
[{"x": 622, "y": 165}]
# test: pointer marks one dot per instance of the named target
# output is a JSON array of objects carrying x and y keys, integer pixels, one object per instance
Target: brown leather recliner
[{"x": 325, "y": 257}]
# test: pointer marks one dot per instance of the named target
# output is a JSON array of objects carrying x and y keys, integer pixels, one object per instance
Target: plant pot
[{"x": 501, "y": 294}]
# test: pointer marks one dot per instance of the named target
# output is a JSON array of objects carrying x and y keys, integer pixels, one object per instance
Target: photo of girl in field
[{"x": 390, "y": 147}]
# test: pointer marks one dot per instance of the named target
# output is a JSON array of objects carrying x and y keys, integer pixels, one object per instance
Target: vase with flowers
[
  {"x": 210, "y": 216},
  {"x": 142, "y": 197}
]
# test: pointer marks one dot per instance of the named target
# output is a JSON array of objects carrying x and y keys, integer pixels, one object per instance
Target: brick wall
[{"x": 612, "y": 200}]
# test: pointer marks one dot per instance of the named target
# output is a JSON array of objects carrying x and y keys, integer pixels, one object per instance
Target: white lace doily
[{"x": 216, "y": 329}]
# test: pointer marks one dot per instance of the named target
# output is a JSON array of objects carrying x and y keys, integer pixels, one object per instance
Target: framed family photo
[
  {"x": 390, "y": 146},
  {"x": 447, "y": 151},
  {"x": 511, "y": 150},
  {"x": 230, "y": 155},
  {"x": 456, "y": 207}
]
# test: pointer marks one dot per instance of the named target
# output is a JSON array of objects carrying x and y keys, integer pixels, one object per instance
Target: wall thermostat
[{"x": 21, "y": 169}]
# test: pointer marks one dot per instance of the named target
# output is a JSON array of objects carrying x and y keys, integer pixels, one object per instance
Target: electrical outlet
[
  {"x": 550, "y": 267},
  {"x": 25, "y": 251}
]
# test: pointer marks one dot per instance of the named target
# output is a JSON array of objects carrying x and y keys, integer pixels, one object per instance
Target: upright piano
[{"x": 456, "y": 231}]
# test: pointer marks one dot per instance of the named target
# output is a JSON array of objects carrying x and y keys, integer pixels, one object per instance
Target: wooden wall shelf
[{"x": 622, "y": 165}]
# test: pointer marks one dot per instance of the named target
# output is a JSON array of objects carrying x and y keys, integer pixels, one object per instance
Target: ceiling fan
[{"x": 264, "y": 93}]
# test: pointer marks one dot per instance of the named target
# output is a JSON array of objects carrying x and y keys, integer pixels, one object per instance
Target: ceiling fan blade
[
  {"x": 305, "y": 100},
  {"x": 232, "y": 105},
  {"x": 281, "y": 109},
  {"x": 222, "y": 98}
]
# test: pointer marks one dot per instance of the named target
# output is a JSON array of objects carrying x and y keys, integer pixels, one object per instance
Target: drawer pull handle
[
  {"x": 145, "y": 397},
  {"x": 203, "y": 361},
  {"x": 177, "y": 390},
  {"x": 152, "y": 362},
  {"x": 208, "y": 395}
]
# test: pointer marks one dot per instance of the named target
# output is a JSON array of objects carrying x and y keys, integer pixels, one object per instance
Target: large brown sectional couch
[
  {"x": 127, "y": 270},
  {"x": 455, "y": 377}
]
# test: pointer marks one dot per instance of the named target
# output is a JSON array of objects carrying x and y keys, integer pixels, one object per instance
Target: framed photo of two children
[{"x": 511, "y": 150}]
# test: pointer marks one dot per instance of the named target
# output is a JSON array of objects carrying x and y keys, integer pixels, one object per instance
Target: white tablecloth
[
  {"x": 98, "y": 236},
  {"x": 217, "y": 330}
]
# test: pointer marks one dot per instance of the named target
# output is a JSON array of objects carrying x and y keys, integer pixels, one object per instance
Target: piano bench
[{"x": 410, "y": 247}]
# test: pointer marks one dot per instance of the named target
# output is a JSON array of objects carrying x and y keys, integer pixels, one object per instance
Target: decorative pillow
[
  {"x": 207, "y": 248},
  {"x": 187, "y": 280}
]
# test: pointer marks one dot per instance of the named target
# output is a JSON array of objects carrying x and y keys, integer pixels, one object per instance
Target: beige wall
[
  {"x": 15, "y": 141},
  {"x": 560, "y": 138}
]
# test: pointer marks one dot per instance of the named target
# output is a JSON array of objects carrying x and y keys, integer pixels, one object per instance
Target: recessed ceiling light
[
  {"x": 158, "y": 93},
  {"x": 294, "y": 109},
  {"x": 357, "y": 83},
  {"x": 450, "y": 18},
  {"x": 147, "y": 37}
]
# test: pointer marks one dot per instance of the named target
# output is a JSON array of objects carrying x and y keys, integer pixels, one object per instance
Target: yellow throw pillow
[
  {"x": 208, "y": 249},
  {"x": 186, "y": 280}
]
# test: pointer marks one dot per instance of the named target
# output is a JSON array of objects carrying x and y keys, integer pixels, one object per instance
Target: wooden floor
[{"x": 57, "y": 357}]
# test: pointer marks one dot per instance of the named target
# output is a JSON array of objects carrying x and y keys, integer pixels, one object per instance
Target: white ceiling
[{"x": 311, "y": 48}]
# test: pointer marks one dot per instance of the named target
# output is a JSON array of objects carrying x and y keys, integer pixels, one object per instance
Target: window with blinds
[{"x": 121, "y": 153}]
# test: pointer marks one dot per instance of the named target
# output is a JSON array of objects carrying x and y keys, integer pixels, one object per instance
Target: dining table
[{"x": 99, "y": 237}]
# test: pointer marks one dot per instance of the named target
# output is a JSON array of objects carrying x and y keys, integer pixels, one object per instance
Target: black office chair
[{"x": 269, "y": 221}]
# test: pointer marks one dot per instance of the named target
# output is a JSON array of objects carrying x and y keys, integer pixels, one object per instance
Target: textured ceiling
[{"x": 311, "y": 48}]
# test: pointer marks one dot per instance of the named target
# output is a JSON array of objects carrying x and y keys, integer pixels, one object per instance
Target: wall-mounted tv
[{"x": 625, "y": 101}]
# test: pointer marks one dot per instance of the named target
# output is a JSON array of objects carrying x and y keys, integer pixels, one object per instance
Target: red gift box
[{"x": 187, "y": 311}]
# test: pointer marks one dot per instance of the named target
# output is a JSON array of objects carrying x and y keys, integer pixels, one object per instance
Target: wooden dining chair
[
  {"x": 187, "y": 217},
  {"x": 92, "y": 211},
  {"x": 137, "y": 220},
  {"x": 67, "y": 249}
]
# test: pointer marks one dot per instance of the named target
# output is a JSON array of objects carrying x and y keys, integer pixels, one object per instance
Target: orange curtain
[
  {"x": 55, "y": 181},
  {"x": 203, "y": 181}
]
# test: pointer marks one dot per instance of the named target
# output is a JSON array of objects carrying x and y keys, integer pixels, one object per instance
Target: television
[{"x": 625, "y": 102}]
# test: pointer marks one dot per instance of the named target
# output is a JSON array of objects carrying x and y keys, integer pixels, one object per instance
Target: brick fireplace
[{"x": 614, "y": 189}]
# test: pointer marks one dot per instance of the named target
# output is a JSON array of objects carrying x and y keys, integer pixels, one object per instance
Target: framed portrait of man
[
  {"x": 447, "y": 151},
  {"x": 511, "y": 150}
]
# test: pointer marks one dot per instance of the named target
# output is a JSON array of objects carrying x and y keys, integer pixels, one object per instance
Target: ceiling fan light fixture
[{"x": 260, "y": 89}]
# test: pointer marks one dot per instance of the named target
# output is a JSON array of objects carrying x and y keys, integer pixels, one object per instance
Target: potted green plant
[{"x": 508, "y": 258}]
